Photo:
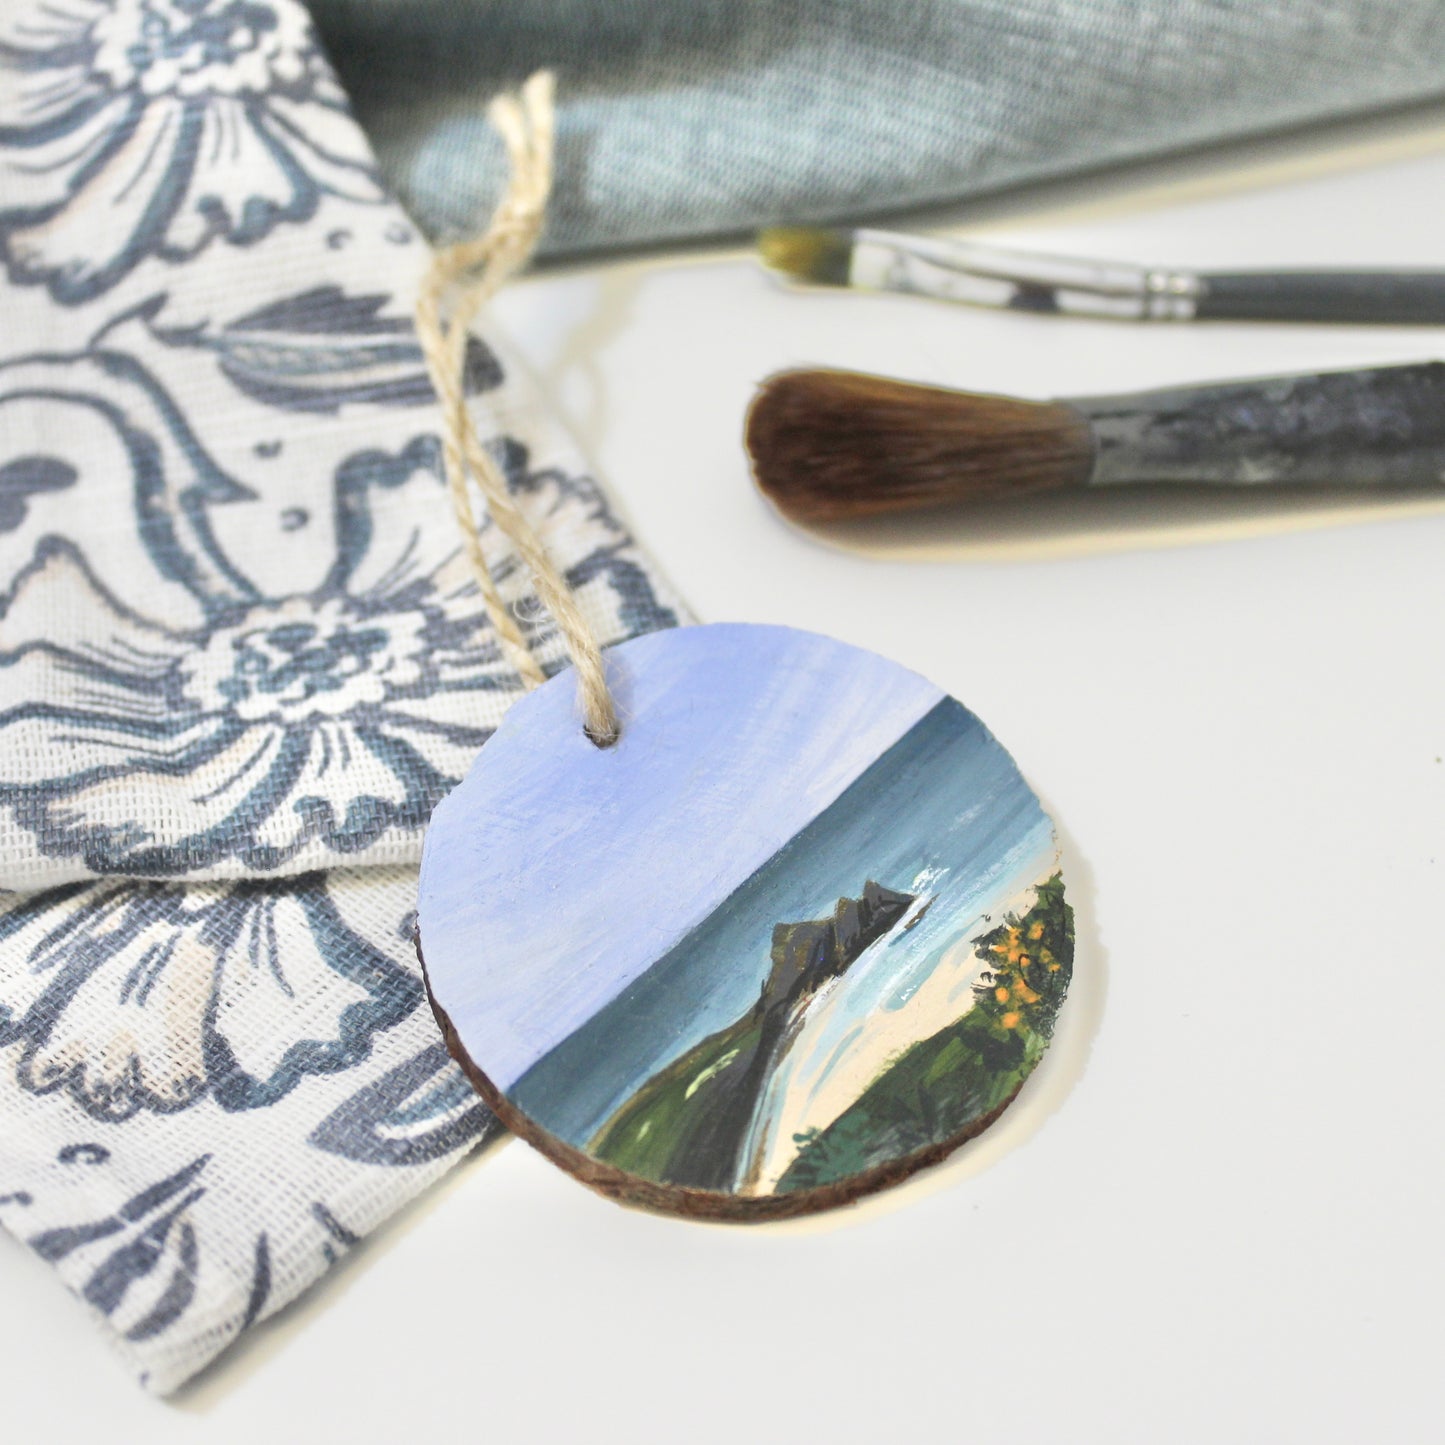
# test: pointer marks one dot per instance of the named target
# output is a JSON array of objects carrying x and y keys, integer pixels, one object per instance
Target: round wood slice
[{"x": 798, "y": 933}]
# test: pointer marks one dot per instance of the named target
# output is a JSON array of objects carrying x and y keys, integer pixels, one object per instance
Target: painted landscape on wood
[
  {"x": 873, "y": 983},
  {"x": 883, "y": 1025}
]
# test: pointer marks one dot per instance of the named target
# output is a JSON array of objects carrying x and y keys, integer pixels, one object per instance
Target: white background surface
[{"x": 1215, "y": 1213}]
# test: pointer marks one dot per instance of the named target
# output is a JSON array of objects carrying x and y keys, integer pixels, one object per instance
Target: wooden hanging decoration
[{"x": 797, "y": 933}]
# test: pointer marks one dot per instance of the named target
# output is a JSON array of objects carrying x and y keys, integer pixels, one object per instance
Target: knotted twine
[{"x": 459, "y": 282}]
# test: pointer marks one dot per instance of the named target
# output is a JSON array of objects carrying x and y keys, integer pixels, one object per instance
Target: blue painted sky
[{"x": 557, "y": 872}]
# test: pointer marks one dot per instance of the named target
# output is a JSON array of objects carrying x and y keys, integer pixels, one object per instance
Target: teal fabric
[{"x": 692, "y": 118}]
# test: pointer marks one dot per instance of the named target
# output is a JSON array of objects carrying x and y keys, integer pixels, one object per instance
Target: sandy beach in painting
[{"x": 832, "y": 1049}]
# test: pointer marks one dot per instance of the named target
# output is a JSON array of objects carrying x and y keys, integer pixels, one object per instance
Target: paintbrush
[
  {"x": 996, "y": 276},
  {"x": 835, "y": 445}
]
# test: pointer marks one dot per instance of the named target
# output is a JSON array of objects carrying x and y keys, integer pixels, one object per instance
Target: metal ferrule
[{"x": 1020, "y": 280}]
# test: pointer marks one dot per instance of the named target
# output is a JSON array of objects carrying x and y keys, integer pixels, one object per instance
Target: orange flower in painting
[{"x": 1011, "y": 947}]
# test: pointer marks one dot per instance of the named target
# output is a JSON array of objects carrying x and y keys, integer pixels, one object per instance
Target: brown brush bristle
[{"x": 830, "y": 446}]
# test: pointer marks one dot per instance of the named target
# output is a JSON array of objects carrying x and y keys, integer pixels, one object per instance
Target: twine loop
[{"x": 461, "y": 279}]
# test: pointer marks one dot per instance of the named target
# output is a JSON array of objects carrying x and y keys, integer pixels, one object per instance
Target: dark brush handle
[
  {"x": 1382, "y": 298},
  {"x": 1381, "y": 427}
]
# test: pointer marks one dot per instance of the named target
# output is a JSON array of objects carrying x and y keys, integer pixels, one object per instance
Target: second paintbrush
[
  {"x": 835, "y": 445},
  {"x": 1000, "y": 277}
]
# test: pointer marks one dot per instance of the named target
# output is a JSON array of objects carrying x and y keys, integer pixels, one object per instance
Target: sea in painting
[{"x": 812, "y": 925}]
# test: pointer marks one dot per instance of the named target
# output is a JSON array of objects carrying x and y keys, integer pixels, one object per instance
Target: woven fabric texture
[
  {"x": 688, "y": 118},
  {"x": 241, "y": 657}
]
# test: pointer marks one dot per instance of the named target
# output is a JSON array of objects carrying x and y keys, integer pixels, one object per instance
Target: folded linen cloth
[
  {"x": 687, "y": 118},
  {"x": 241, "y": 658}
]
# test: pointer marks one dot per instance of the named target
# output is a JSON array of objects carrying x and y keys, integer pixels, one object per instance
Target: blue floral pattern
[
  {"x": 420, "y": 1110},
  {"x": 136, "y": 128},
  {"x": 170, "y": 1034},
  {"x": 241, "y": 657},
  {"x": 145, "y": 1255},
  {"x": 190, "y": 984},
  {"x": 326, "y": 720}
]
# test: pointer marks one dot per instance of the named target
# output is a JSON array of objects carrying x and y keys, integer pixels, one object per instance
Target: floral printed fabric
[{"x": 241, "y": 658}]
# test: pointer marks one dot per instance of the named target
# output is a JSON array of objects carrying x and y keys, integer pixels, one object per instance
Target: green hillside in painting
[
  {"x": 689, "y": 1111},
  {"x": 936, "y": 1088},
  {"x": 688, "y": 1123}
]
